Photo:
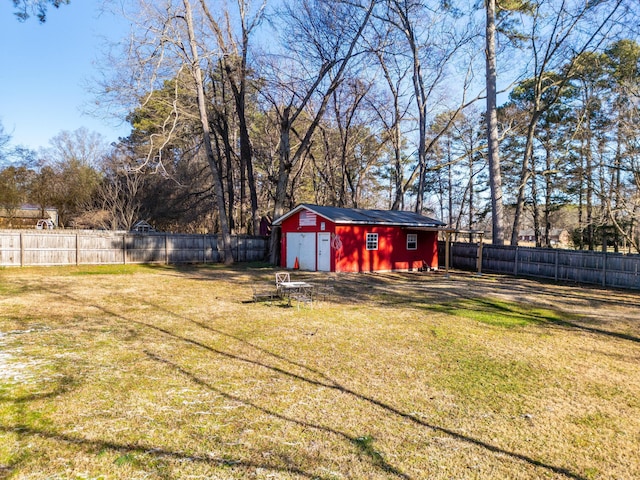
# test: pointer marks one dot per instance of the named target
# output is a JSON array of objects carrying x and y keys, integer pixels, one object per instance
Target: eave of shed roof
[{"x": 359, "y": 216}]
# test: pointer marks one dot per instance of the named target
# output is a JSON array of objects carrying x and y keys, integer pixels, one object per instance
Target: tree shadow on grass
[
  {"x": 60, "y": 389},
  {"x": 378, "y": 459},
  {"x": 141, "y": 448},
  {"x": 593, "y": 294},
  {"x": 332, "y": 384},
  {"x": 404, "y": 290},
  {"x": 327, "y": 383},
  {"x": 219, "y": 272},
  {"x": 498, "y": 312},
  {"x": 25, "y": 417}
]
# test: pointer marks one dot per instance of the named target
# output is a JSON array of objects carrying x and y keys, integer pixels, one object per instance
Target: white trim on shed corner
[{"x": 392, "y": 218}]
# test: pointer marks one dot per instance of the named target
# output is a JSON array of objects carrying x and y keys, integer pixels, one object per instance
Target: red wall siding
[{"x": 392, "y": 253}]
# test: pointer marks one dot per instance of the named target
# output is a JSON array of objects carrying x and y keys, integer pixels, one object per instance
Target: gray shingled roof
[{"x": 359, "y": 216}]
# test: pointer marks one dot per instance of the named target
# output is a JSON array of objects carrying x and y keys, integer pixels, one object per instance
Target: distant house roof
[
  {"x": 359, "y": 216},
  {"x": 143, "y": 226},
  {"x": 26, "y": 214}
]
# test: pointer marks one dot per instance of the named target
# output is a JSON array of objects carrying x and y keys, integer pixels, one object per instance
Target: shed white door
[
  {"x": 303, "y": 247},
  {"x": 324, "y": 252}
]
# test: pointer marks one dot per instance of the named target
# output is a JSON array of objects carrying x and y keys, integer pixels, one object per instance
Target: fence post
[
  {"x": 77, "y": 251},
  {"x": 515, "y": 263},
  {"x": 604, "y": 269},
  {"x": 21, "y": 250},
  {"x": 557, "y": 266},
  {"x": 166, "y": 249},
  {"x": 124, "y": 248},
  {"x": 447, "y": 250}
]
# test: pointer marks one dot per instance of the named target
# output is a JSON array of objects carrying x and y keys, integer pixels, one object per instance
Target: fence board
[
  {"x": 10, "y": 248},
  {"x": 185, "y": 249},
  {"x": 30, "y": 248},
  {"x": 46, "y": 250},
  {"x": 606, "y": 269},
  {"x": 100, "y": 249}
]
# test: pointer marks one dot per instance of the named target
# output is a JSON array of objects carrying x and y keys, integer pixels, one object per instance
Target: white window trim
[
  {"x": 369, "y": 239},
  {"x": 414, "y": 240}
]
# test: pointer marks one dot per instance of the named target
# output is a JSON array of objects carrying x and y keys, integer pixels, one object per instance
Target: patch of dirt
[{"x": 11, "y": 369}]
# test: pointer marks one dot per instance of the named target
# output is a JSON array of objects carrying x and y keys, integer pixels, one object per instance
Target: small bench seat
[{"x": 263, "y": 294}]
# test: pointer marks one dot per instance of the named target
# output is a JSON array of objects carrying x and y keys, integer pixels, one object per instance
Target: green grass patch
[
  {"x": 487, "y": 381},
  {"x": 499, "y": 313},
  {"x": 593, "y": 420},
  {"x": 127, "y": 459},
  {"x": 128, "y": 269}
]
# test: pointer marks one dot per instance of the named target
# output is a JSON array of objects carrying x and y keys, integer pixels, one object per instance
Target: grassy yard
[{"x": 143, "y": 372}]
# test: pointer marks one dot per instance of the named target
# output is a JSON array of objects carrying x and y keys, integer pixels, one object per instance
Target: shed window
[
  {"x": 372, "y": 241},
  {"x": 412, "y": 241}
]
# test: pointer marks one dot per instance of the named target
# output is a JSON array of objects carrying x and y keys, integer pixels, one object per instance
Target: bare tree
[
  {"x": 234, "y": 62},
  {"x": 331, "y": 57},
  {"x": 193, "y": 53},
  {"x": 178, "y": 42},
  {"x": 326, "y": 35},
  {"x": 5, "y": 138},
  {"x": 436, "y": 42},
  {"x": 360, "y": 145},
  {"x": 69, "y": 173},
  {"x": 119, "y": 192},
  {"x": 392, "y": 108}
]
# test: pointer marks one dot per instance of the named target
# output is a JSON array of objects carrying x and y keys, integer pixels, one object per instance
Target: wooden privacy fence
[
  {"x": 598, "y": 268},
  {"x": 42, "y": 248}
]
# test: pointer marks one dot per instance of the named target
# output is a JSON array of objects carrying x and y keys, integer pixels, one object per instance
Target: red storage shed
[{"x": 333, "y": 239}]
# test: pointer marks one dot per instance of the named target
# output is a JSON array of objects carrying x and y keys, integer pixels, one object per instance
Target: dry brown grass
[{"x": 160, "y": 372}]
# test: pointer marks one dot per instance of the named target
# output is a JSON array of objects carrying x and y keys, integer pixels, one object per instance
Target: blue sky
[{"x": 45, "y": 70}]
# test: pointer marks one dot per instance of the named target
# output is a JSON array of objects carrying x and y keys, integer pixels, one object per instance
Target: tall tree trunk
[
  {"x": 591, "y": 239},
  {"x": 246, "y": 150},
  {"x": 285, "y": 165},
  {"x": 548, "y": 191},
  {"x": 525, "y": 173},
  {"x": 206, "y": 133},
  {"x": 581, "y": 172},
  {"x": 398, "y": 200},
  {"x": 239, "y": 89},
  {"x": 231, "y": 194},
  {"x": 284, "y": 171},
  {"x": 223, "y": 150},
  {"x": 534, "y": 202},
  {"x": 289, "y": 116},
  {"x": 616, "y": 182},
  {"x": 396, "y": 174},
  {"x": 471, "y": 187},
  {"x": 495, "y": 172},
  {"x": 449, "y": 181},
  {"x": 421, "y": 100}
]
